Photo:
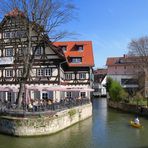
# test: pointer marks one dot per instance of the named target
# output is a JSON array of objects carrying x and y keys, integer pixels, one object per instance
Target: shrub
[
  {"x": 108, "y": 83},
  {"x": 116, "y": 92}
]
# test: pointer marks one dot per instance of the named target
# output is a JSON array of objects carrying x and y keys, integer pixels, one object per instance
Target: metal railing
[{"x": 40, "y": 109}]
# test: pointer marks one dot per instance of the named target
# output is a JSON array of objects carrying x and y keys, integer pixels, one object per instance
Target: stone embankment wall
[
  {"x": 139, "y": 110},
  {"x": 44, "y": 125}
]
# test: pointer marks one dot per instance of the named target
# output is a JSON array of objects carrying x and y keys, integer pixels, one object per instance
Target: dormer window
[
  {"x": 80, "y": 47},
  {"x": 64, "y": 48},
  {"x": 76, "y": 60}
]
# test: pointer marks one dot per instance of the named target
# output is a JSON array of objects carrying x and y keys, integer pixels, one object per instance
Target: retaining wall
[
  {"x": 44, "y": 125},
  {"x": 139, "y": 110}
]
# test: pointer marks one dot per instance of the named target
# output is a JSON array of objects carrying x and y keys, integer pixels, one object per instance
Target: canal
[{"x": 105, "y": 129}]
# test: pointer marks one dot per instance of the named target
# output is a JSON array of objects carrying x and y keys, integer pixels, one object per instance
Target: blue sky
[{"x": 110, "y": 25}]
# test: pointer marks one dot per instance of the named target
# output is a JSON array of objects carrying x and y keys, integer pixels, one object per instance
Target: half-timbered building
[
  {"x": 78, "y": 66},
  {"x": 62, "y": 69}
]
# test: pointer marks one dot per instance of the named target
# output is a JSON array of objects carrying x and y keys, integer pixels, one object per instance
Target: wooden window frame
[
  {"x": 76, "y": 60},
  {"x": 39, "y": 72},
  {"x": 9, "y": 52},
  {"x": 80, "y": 48},
  {"x": 69, "y": 94},
  {"x": 82, "y": 76},
  {"x": 39, "y": 51},
  {"x": 68, "y": 76},
  {"x": 8, "y": 73},
  {"x": 19, "y": 72},
  {"x": 43, "y": 72},
  {"x": 83, "y": 94},
  {"x": 47, "y": 71}
]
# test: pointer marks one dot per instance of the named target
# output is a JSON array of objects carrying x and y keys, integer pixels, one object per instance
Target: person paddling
[{"x": 136, "y": 121}]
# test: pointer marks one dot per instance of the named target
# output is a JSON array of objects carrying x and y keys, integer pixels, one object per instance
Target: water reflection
[
  {"x": 105, "y": 129},
  {"x": 79, "y": 134},
  {"x": 99, "y": 121}
]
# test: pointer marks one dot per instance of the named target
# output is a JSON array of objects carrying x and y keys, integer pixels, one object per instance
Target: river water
[{"x": 105, "y": 129}]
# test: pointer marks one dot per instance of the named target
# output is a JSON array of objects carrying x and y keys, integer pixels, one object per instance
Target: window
[
  {"x": 13, "y": 34},
  {"x": 20, "y": 34},
  {"x": 68, "y": 76},
  {"x": 129, "y": 81},
  {"x": 7, "y": 35},
  {"x": 45, "y": 95},
  {"x": 44, "y": 72},
  {"x": 19, "y": 72},
  {"x": 39, "y": 50},
  {"x": 83, "y": 94},
  {"x": 22, "y": 51},
  {"x": 63, "y": 48},
  {"x": 82, "y": 75},
  {"x": 47, "y": 72},
  {"x": 68, "y": 94},
  {"x": 9, "y": 96},
  {"x": 80, "y": 48},
  {"x": 9, "y": 73},
  {"x": 9, "y": 52},
  {"x": 76, "y": 60},
  {"x": 40, "y": 72}
]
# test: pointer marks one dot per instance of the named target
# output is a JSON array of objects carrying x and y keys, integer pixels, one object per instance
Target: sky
[{"x": 110, "y": 25}]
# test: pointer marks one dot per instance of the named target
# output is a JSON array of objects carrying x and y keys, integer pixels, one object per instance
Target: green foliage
[
  {"x": 138, "y": 98},
  {"x": 108, "y": 83},
  {"x": 142, "y": 102},
  {"x": 72, "y": 112},
  {"x": 116, "y": 92}
]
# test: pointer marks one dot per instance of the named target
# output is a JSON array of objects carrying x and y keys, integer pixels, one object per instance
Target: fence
[{"x": 40, "y": 109}]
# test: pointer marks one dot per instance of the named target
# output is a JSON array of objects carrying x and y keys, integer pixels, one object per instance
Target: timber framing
[{"x": 49, "y": 65}]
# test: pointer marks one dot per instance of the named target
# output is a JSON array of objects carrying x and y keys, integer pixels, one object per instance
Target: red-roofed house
[
  {"x": 122, "y": 70},
  {"x": 100, "y": 82},
  {"x": 79, "y": 62}
]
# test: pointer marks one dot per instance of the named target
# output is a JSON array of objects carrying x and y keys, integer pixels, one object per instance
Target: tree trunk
[
  {"x": 26, "y": 71},
  {"x": 20, "y": 95}
]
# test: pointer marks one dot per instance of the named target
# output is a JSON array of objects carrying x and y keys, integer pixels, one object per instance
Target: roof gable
[
  {"x": 72, "y": 52},
  {"x": 16, "y": 13}
]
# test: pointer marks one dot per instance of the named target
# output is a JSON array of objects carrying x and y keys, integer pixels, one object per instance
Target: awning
[
  {"x": 8, "y": 89},
  {"x": 59, "y": 88}
]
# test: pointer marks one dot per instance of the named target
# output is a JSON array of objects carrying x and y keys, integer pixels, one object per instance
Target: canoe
[{"x": 135, "y": 125}]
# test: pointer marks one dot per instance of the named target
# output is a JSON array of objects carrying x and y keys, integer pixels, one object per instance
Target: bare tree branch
[{"x": 43, "y": 16}]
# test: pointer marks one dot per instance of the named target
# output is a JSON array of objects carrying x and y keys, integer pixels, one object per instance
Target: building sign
[{"x": 6, "y": 60}]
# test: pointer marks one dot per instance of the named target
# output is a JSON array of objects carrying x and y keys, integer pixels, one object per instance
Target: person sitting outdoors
[
  {"x": 30, "y": 107},
  {"x": 136, "y": 121}
]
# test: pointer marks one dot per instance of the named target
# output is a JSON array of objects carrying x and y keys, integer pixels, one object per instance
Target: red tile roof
[
  {"x": 117, "y": 60},
  {"x": 71, "y": 51},
  {"x": 112, "y": 60},
  {"x": 15, "y": 12},
  {"x": 100, "y": 72}
]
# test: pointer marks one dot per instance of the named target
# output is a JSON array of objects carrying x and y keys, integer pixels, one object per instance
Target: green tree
[
  {"x": 116, "y": 92},
  {"x": 108, "y": 83}
]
